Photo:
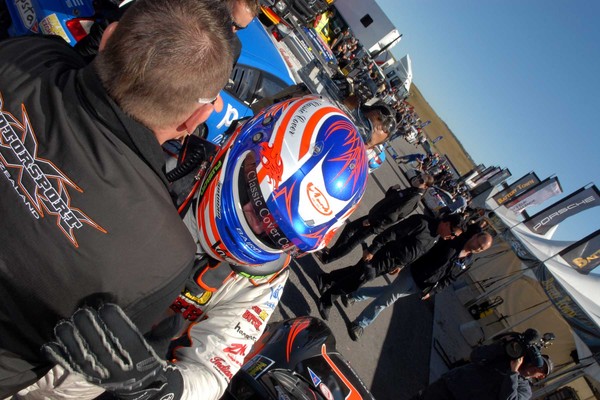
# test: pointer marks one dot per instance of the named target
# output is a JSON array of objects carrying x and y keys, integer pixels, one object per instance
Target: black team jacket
[
  {"x": 85, "y": 215},
  {"x": 396, "y": 205}
]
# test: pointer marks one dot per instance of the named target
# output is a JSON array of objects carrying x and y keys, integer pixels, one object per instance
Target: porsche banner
[
  {"x": 535, "y": 195},
  {"x": 584, "y": 255},
  {"x": 514, "y": 190},
  {"x": 580, "y": 200}
]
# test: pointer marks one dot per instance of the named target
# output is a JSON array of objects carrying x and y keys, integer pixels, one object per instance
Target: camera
[{"x": 528, "y": 345}]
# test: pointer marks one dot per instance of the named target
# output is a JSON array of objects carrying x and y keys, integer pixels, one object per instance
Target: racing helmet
[{"x": 281, "y": 185}]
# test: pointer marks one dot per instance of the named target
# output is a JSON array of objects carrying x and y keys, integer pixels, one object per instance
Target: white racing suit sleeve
[
  {"x": 60, "y": 384},
  {"x": 237, "y": 315}
]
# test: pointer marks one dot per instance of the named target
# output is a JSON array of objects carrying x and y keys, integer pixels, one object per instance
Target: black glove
[{"x": 109, "y": 351}]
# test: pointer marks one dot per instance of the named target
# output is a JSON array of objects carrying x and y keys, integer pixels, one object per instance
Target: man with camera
[{"x": 499, "y": 371}]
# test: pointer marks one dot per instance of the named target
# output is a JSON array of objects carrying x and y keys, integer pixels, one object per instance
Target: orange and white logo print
[
  {"x": 41, "y": 186},
  {"x": 318, "y": 200},
  {"x": 272, "y": 165}
]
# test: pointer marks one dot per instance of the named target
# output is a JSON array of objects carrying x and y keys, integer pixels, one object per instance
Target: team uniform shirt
[{"x": 85, "y": 213}]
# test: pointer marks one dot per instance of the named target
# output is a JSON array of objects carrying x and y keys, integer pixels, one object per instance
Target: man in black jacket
[
  {"x": 484, "y": 379},
  {"x": 86, "y": 214},
  {"x": 396, "y": 205},
  {"x": 397, "y": 246},
  {"x": 428, "y": 275}
]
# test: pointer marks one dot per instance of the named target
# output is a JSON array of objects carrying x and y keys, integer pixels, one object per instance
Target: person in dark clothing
[
  {"x": 484, "y": 380},
  {"x": 398, "y": 245},
  {"x": 427, "y": 275},
  {"x": 86, "y": 214},
  {"x": 395, "y": 206},
  {"x": 375, "y": 123},
  {"x": 242, "y": 14}
]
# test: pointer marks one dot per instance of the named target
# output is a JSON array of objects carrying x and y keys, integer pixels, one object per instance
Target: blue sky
[{"x": 516, "y": 81}]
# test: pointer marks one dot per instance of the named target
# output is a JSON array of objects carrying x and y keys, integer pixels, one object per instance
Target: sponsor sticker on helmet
[
  {"x": 326, "y": 392},
  {"x": 257, "y": 366},
  {"x": 318, "y": 199},
  {"x": 314, "y": 377}
]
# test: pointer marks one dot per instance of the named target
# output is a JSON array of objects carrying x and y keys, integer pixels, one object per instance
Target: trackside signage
[
  {"x": 499, "y": 177},
  {"x": 584, "y": 255},
  {"x": 535, "y": 195},
  {"x": 489, "y": 172},
  {"x": 580, "y": 200},
  {"x": 514, "y": 190},
  {"x": 576, "y": 317}
]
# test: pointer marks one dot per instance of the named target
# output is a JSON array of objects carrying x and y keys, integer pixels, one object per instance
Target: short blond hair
[{"x": 164, "y": 55}]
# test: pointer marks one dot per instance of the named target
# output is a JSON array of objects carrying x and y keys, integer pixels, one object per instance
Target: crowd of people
[
  {"x": 360, "y": 76},
  {"x": 421, "y": 254},
  {"x": 104, "y": 270}
]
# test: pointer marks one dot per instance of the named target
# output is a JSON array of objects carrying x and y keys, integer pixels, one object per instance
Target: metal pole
[
  {"x": 496, "y": 289},
  {"x": 510, "y": 327},
  {"x": 566, "y": 377}
]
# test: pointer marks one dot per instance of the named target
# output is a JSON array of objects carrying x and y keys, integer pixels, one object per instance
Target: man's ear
[
  {"x": 108, "y": 31},
  {"x": 199, "y": 116}
]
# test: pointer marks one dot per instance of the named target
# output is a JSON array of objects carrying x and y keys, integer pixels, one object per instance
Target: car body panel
[
  {"x": 47, "y": 17},
  {"x": 260, "y": 72}
]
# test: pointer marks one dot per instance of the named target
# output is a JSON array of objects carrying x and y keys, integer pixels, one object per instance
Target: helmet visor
[{"x": 255, "y": 210}]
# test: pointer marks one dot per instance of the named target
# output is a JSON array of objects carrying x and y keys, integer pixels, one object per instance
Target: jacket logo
[
  {"x": 236, "y": 348},
  {"x": 39, "y": 183},
  {"x": 318, "y": 199},
  {"x": 222, "y": 366}
]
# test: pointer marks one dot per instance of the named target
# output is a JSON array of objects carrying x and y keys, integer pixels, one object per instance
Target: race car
[
  {"x": 70, "y": 20},
  {"x": 261, "y": 72}
]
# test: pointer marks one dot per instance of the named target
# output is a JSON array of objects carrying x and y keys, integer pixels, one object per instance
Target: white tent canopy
[{"x": 583, "y": 290}]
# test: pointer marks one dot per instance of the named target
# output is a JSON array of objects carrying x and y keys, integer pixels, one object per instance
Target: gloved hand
[{"x": 109, "y": 351}]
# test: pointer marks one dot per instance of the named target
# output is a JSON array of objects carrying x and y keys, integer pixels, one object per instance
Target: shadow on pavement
[{"x": 403, "y": 367}]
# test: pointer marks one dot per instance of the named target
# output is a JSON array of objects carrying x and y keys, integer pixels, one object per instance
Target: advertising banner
[
  {"x": 520, "y": 250},
  {"x": 584, "y": 255},
  {"x": 576, "y": 202},
  {"x": 499, "y": 177},
  {"x": 575, "y": 316},
  {"x": 485, "y": 175},
  {"x": 535, "y": 195},
  {"x": 514, "y": 190}
]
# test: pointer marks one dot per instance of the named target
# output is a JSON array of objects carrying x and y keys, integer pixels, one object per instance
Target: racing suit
[
  {"x": 222, "y": 325},
  {"x": 85, "y": 213},
  {"x": 226, "y": 313}
]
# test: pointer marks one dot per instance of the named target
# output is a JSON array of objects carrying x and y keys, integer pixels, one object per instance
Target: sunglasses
[
  {"x": 238, "y": 27},
  {"x": 203, "y": 100}
]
